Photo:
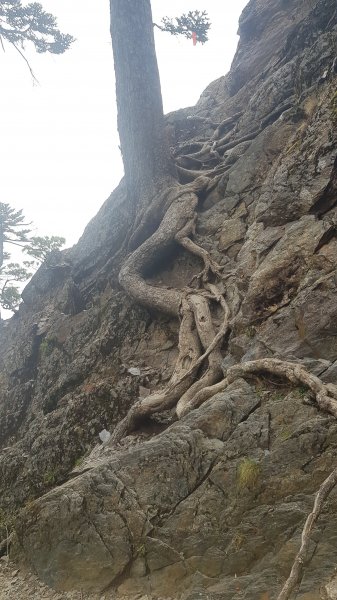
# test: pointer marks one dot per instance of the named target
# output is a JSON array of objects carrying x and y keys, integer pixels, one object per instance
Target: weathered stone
[
  {"x": 331, "y": 589},
  {"x": 232, "y": 231}
]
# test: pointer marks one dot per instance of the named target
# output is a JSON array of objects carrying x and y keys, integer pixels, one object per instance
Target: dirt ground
[{"x": 19, "y": 584}]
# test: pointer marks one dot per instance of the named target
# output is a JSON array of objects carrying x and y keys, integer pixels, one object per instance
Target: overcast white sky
[{"x": 59, "y": 152}]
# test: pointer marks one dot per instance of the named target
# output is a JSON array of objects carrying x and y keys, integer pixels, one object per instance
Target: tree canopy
[
  {"x": 13, "y": 229},
  {"x": 21, "y": 24},
  {"x": 194, "y": 22},
  {"x": 30, "y": 24}
]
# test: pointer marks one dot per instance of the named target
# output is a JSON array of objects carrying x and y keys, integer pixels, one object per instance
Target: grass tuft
[{"x": 248, "y": 474}]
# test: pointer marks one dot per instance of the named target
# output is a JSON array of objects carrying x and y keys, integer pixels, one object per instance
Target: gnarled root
[
  {"x": 325, "y": 394},
  {"x": 211, "y": 342},
  {"x": 189, "y": 175},
  {"x": 181, "y": 390},
  {"x": 180, "y": 211},
  {"x": 206, "y": 393},
  {"x": 196, "y": 329},
  {"x": 210, "y": 266},
  {"x": 181, "y": 379}
]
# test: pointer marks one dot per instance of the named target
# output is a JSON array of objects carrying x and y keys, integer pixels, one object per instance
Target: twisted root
[
  {"x": 325, "y": 394},
  {"x": 192, "y": 305}
]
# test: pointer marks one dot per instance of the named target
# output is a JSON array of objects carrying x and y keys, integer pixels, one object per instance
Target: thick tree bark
[{"x": 140, "y": 110}]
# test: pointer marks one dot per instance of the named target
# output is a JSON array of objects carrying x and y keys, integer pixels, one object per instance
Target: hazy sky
[{"x": 59, "y": 145}]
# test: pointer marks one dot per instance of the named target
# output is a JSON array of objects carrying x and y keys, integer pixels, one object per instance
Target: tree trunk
[
  {"x": 140, "y": 110},
  {"x": 164, "y": 215}
]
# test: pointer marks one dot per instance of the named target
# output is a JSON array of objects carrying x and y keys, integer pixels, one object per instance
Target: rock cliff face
[{"x": 211, "y": 506}]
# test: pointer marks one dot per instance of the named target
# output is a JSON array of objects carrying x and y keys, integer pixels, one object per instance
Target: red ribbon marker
[{"x": 194, "y": 38}]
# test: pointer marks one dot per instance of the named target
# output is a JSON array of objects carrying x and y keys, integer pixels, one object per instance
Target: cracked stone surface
[
  {"x": 18, "y": 583},
  {"x": 223, "y": 493}
]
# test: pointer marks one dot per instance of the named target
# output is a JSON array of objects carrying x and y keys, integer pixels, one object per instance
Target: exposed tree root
[
  {"x": 152, "y": 215},
  {"x": 210, "y": 266},
  {"x": 189, "y": 175},
  {"x": 181, "y": 390},
  {"x": 210, "y": 342},
  {"x": 226, "y": 124},
  {"x": 211, "y": 152},
  {"x": 296, "y": 572},
  {"x": 205, "y": 154},
  {"x": 206, "y": 393},
  {"x": 186, "y": 365},
  {"x": 187, "y": 147},
  {"x": 131, "y": 276},
  {"x": 277, "y": 112},
  {"x": 197, "y": 149},
  {"x": 325, "y": 394},
  {"x": 177, "y": 210},
  {"x": 189, "y": 162},
  {"x": 223, "y": 145}
]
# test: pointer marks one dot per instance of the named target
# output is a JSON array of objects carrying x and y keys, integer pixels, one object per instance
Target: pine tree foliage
[
  {"x": 14, "y": 232},
  {"x": 193, "y": 22},
  {"x": 40, "y": 247},
  {"x": 10, "y": 274},
  {"x": 20, "y": 24},
  {"x": 12, "y": 229}
]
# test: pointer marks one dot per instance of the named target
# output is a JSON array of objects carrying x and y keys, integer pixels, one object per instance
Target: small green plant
[
  {"x": 260, "y": 390},
  {"x": 248, "y": 473},
  {"x": 277, "y": 396},
  {"x": 79, "y": 460},
  {"x": 47, "y": 346},
  {"x": 50, "y": 477},
  {"x": 251, "y": 331},
  {"x": 141, "y": 550},
  {"x": 301, "y": 391}
]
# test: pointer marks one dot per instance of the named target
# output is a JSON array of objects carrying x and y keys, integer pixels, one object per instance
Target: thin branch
[
  {"x": 16, "y": 243},
  {"x": 296, "y": 572},
  {"x": 35, "y": 81},
  {"x": 159, "y": 27}
]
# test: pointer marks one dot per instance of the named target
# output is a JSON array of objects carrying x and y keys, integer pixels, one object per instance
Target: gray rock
[{"x": 232, "y": 231}]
